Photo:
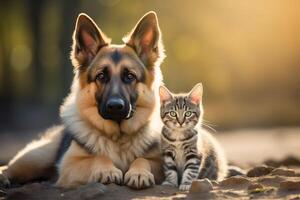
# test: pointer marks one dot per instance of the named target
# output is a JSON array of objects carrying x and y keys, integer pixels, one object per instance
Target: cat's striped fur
[{"x": 189, "y": 152}]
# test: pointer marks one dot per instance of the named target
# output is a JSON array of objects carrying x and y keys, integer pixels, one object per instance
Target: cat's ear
[
  {"x": 164, "y": 94},
  {"x": 87, "y": 40},
  {"x": 145, "y": 39},
  {"x": 195, "y": 94}
]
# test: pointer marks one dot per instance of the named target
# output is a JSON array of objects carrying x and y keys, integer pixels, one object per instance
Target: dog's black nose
[
  {"x": 115, "y": 108},
  {"x": 115, "y": 105}
]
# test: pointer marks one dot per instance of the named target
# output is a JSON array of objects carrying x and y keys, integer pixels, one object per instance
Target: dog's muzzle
[{"x": 116, "y": 108}]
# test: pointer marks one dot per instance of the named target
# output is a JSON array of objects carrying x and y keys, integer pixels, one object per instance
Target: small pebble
[
  {"x": 259, "y": 171},
  {"x": 201, "y": 186},
  {"x": 271, "y": 180},
  {"x": 235, "y": 181},
  {"x": 255, "y": 186},
  {"x": 289, "y": 185},
  {"x": 283, "y": 172}
]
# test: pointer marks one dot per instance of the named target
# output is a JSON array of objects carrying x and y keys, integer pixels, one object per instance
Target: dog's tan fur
[
  {"x": 119, "y": 147},
  {"x": 79, "y": 167}
]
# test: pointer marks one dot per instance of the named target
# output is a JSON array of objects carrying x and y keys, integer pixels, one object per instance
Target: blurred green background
[{"x": 246, "y": 54}]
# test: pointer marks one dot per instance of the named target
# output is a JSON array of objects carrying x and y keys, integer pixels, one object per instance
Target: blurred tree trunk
[
  {"x": 70, "y": 10},
  {"x": 35, "y": 19},
  {"x": 6, "y": 95}
]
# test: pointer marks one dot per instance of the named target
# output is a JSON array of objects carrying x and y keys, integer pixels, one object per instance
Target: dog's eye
[
  {"x": 129, "y": 77},
  {"x": 102, "y": 76}
]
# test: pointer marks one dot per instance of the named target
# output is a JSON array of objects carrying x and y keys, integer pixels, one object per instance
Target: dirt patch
[
  {"x": 268, "y": 186},
  {"x": 279, "y": 178}
]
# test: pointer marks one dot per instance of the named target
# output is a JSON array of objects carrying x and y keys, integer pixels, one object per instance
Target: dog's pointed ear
[
  {"x": 87, "y": 41},
  {"x": 164, "y": 94},
  {"x": 145, "y": 39},
  {"x": 195, "y": 94}
]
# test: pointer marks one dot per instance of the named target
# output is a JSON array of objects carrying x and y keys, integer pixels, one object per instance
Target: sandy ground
[
  {"x": 264, "y": 183},
  {"x": 254, "y": 146},
  {"x": 244, "y": 148}
]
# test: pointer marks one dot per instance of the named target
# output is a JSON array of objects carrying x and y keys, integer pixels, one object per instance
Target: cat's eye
[
  {"x": 173, "y": 114},
  {"x": 188, "y": 113}
]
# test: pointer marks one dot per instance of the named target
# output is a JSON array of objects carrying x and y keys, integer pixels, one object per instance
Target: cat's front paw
[
  {"x": 184, "y": 187},
  {"x": 167, "y": 183}
]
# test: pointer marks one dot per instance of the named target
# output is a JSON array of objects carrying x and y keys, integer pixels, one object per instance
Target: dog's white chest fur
[{"x": 121, "y": 151}]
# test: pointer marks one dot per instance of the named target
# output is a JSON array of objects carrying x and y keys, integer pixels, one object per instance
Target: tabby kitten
[{"x": 188, "y": 151}]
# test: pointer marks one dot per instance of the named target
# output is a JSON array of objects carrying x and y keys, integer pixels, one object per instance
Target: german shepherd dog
[{"x": 109, "y": 132}]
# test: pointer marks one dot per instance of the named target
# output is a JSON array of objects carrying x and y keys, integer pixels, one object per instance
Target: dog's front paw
[
  {"x": 167, "y": 183},
  {"x": 139, "y": 178},
  {"x": 112, "y": 175},
  {"x": 4, "y": 182},
  {"x": 184, "y": 187}
]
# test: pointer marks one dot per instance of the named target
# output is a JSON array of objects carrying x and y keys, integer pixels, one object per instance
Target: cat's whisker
[
  {"x": 209, "y": 122},
  {"x": 208, "y": 126}
]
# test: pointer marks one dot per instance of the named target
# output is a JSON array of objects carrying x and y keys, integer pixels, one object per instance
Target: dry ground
[{"x": 245, "y": 148}]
